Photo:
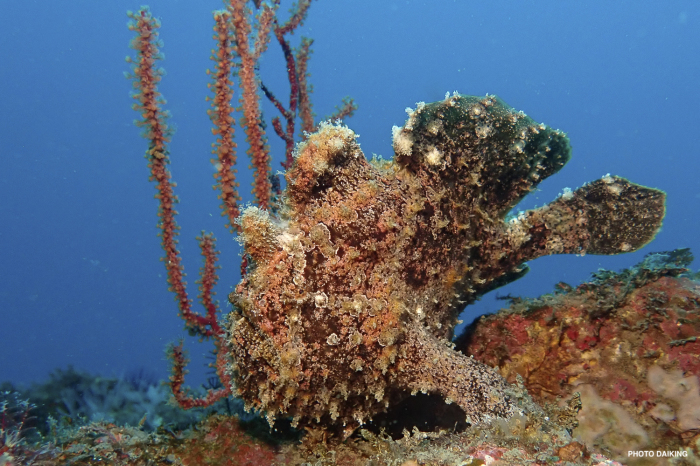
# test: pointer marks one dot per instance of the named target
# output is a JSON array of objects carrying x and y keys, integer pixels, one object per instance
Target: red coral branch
[
  {"x": 300, "y": 89},
  {"x": 302, "y": 59},
  {"x": 154, "y": 121},
  {"x": 346, "y": 110},
  {"x": 297, "y": 18},
  {"x": 293, "y": 95},
  {"x": 250, "y": 105},
  {"x": 221, "y": 114},
  {"x": 207, "y": 326},
  {"x": 181, "y": 394}
]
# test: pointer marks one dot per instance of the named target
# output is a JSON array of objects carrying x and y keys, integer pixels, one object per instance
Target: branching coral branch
[
  {"x": 302, "y": 59},
  {"x": 221, "y": 115},
  {"x": 149, "y": 103},
  {"x": 181, "y": 394},
  {"x": 346, "y": 110},
  {"x": 259, "y": 152},
  {"x": 300, "y": 89}
]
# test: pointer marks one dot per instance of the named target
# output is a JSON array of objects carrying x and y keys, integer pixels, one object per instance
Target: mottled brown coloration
[{"x": 356, "y": 289}]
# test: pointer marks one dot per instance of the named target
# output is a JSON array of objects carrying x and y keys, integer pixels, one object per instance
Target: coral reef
[
  {"x": 17, "y": 444},
  {"x": 77, "y": 397},
  {"x": 353, "y": 293},
  {"x": 627, "y": 342},
  {"x": 223, "y": 440}
]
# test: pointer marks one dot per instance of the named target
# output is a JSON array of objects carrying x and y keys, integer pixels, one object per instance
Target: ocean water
[{"x": 80, "y": 279}]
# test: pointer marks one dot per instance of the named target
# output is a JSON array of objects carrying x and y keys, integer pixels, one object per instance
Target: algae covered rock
[
  {"x": 627, "y": 342},
  {"x": 354, "y": 290}
]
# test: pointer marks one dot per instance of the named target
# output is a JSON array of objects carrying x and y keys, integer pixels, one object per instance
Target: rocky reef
[
  {"x": 224, "y": 440},
  {"x": 626, "y": 342},
  {"x": 355, "y": 287}
]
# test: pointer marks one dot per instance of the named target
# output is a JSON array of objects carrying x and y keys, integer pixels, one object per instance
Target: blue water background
[{"x": 80, "y": 277}]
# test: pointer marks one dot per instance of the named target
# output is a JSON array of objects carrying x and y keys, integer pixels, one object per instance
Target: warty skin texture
[{"x": 354, "y": 291}]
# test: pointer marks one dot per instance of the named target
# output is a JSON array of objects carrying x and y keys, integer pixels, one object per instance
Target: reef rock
[
  {"x": 626, "y": 342},
  {"x": 354, "y": 291}
]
